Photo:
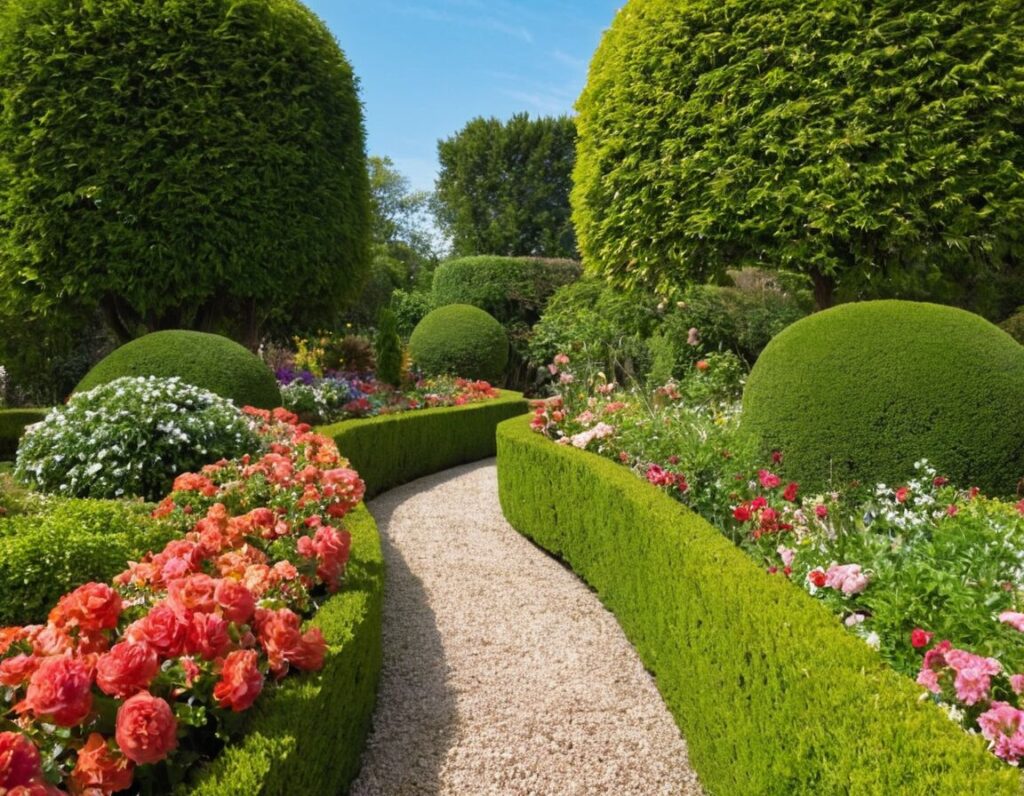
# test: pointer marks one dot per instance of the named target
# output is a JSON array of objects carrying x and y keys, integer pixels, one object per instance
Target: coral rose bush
[{"x": 130, "y": 684}]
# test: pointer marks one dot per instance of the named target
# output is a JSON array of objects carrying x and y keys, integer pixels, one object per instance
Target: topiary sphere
[
  {"x": 179, "y": 160},
  {"x": 863, "y": 391},
  {"x": 208, "y": 361},
  {"x": 460, "y": 340}
]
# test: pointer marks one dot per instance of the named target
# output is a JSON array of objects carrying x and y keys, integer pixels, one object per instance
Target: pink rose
[{"x": 146, "y": 729}]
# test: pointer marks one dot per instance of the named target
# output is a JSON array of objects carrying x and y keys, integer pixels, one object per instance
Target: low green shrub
[
  {"x": 862, "y": 391},
  {"x": 509, "y": 288},
  {"x": 12, "y": 426},
  {"x": 772, "y": 695},
  {"x": 209, "y": 361},
  {"x": 131, "y": 436},
  {"x": 460, "y": 340},
  {"x": 390, "y": 450},
  {"x": 44, "y": 555},
  {"x": 1014, "y": 325},
  {"x": 307, "y": 735}
]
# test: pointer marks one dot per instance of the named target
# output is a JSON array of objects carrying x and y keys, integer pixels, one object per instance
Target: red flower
[
  {"x": 207, "y": 636},
  {"x": 776, "y": 457},
  {"x": 94, "y": 606},
  {"x": 236, "y": 602},
  {"x": 952, "y": 510},
  {"x": 817, "y": 577},
  {"x": 790, "y": 492},
  {"x": 163, "y": 628},
  {"x": 127, "y": 669},
  {"x": 939, "y": 480},
  {"x": 308, "y": 655},
  {"x": 920, "y": 638},
  {"x": 60, "y": 690},
  {"x": 821, "y": 510},
  {"x": 192, "y": 593},
  {"x": 19, "y": 760},
  {"x": 146, "y": 729},
  {"x": 901, "y": 494},
  {"x": 16, "y": 671},
  {"x": 240, "y": 681},
  {"x": 101, "y": 768},
  {"x": 702, "y": 365},
  {"x": 742, "y": 513},
  {"x": 768, "y": 479}
]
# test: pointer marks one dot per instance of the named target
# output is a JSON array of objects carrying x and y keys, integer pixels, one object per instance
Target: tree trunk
[{"x": 824, "y": 288}]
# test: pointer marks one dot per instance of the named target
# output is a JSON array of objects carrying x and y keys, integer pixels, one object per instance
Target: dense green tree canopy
[
  {"x": 180, "y": 163},
  {"x": 503, "y": 187},
  {"x": 838, "y": 138}
]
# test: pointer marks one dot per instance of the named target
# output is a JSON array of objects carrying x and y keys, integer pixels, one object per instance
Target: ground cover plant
[
  {"x": 134, "y": 683},
  {"x": 928, "y": 572}
]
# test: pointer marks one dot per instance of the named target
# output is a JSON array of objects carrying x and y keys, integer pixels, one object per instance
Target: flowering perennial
[{"x": 134, "y": 682}]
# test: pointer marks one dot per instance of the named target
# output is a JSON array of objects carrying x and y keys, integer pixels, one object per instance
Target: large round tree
[
  {"x": 848, "y": 140},
  {"x": 180, "y": 163}
]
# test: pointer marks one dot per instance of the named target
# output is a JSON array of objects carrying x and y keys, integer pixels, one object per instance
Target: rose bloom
[
  {"x": 60, "y": 690},
  {"x": 127, "y": 669},
  {"x": 192, "y": 593},
  {"x": 16, "y": 671},
  {"x": 308, "y": 655},
  {"x": 236, "y": 602},
  {"x": 100, "y": 767},
  {"x": 19, "y": 760},
  {"x": 920, "y": 638},
  {"x": 768, "y": 479},
  {"x": 163, "y": 628},
  {"x": 816, "y": 577},
  {"x": 790, "y": 492},
  {"x": 207, "y": 636},
  {"x": 92, "y": 607},
  {"x": 240, "y": 681},
  {"x": 146, "y": 729}
]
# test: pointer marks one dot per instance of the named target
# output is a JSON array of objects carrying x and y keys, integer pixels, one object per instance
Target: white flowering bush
[{"x": 131, "y": 436}]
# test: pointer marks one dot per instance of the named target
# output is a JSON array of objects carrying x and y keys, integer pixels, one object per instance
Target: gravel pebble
[{"x": 503, "y": 673}]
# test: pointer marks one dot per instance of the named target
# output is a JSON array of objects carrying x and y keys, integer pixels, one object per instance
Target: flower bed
[
  {"x": 773, "y": 696},
  {"x": 142, "y": 681},
  {"x": 394, "y": 449}
]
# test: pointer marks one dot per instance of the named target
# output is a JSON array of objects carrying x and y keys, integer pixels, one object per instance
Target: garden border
[
  {"x": 391, "y": 450},
  {"x": 771, "y": 693}
]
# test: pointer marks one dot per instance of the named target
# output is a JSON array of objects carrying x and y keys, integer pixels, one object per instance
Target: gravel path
[{"x": 503, "y": 673}]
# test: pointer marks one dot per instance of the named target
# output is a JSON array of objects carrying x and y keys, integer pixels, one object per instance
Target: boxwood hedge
[
  {"x": 772, "y": 695},
  {"x": 391, "y": 450},
  {"x": 12, "y": 426},
  {"x": 460, "y": 340}
]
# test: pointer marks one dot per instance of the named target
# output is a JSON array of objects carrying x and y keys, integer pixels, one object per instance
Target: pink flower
[
  {"x": 561, "y": 359},
  {"x": 952, "y": 510},
  {"x": 846, "y": 578},
  {"x": 768, "y": 479},
  {"x": 821, "y": 510},
  {"x": 901, "y": 494},
  {"x": 1013, "y": 619},
  {"x": 693, "y": 336},
  {"x": 1000, "y": 725},
  {"x": 973, "y": 675},
  {"x": 1017, "y": 683},
  {"x": 786, "y": 555}
]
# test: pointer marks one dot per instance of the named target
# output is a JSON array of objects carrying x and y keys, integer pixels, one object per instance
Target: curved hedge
[
  {"x": 771, "y": 693},
  {"x": 210, "y": 361},
  {"x": 307, "y": 735},
  {"x": 862, "y": 391},
  {"x": 391, "y": 450},
  {"x": 512, "y": 289},
  {"x": 221, "y": 177},
  {"x": 13, "y": 423},
  {"x": 460, "y": 340}
]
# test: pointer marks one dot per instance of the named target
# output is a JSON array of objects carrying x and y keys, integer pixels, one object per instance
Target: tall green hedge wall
[
  {"x": 772, "y": 695},
  {"x": 391, "y": 450}
]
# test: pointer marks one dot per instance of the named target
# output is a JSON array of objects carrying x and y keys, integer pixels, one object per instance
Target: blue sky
[{"x": 429, "y": 66}]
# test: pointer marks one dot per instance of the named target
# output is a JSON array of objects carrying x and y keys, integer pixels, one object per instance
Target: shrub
[
  {"x": 863, "y": 391},
  {"x": 1014, "y": 325},
  {"x": 44, "y": 555},
  {"x": 509, "y": 288},
  {"x": 131, "y": 437},
  {"x": 391, "y": 450},
  {"x": 460, "y": 340},
  {"x": 771, "y": 693},
  {"x": 727, "y": 320},
  {"x": 601, "y": 328},
  {"x": 208, "y": 361},
  {"x": 820, "y": 137},
  {"x": 388, "y": 349},
  {"x": 222, "y": 174},
  {"x": 12, "y": 426},
  {"x": 410, "y": 308}
]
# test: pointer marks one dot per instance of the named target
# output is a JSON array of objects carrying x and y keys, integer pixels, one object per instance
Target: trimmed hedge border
[
  {"x": 390, "y": 450},
  {"x": 307, "y": 736},
  {"x": 771, "y": 693},
  {"x": 12, "y": 425}
]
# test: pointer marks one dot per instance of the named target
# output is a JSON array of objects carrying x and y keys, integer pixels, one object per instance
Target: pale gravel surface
[{"x": 503, "y": 673}]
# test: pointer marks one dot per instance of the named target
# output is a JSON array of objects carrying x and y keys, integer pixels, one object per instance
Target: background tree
[
  {"x": 503, "y": 187},
  {"x": 388, "y": 349},
  {"x": 858, "y": 143},
  {"x": 194, "y": 164}
]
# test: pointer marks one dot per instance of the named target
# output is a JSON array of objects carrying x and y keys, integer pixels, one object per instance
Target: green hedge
[
  {"x": 394, "y": 449},
  {"x": 47, "y": 554},
  {"x": 771, "y": 693},
  {"x": 307, "y": 736},
  {"x": 12, "y": 426}
]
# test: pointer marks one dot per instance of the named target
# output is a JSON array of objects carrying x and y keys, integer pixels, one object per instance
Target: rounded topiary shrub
[
  {"x": 209, "y": 361},
  {"x": 460, "y": 340},
  {"x": 863, "y": 391},
  {"x": 181, "y": 161},
  {"x": 132, "y": 436}
]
